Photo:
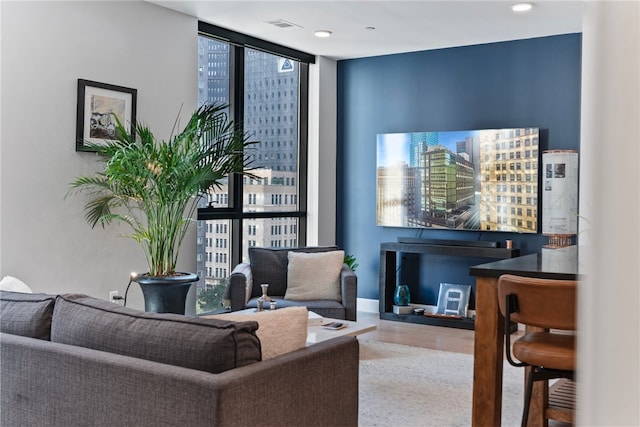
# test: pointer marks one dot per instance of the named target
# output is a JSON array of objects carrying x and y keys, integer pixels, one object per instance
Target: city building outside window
[{"x": 266, "y": 88}]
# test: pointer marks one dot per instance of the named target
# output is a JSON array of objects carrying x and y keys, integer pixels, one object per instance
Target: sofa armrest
[
  {"x": 239, "y": 287},
  {"x": 349, "y": 288},
  {"x": 317, "y": 385},
  {"x": 234, "y": 297}
]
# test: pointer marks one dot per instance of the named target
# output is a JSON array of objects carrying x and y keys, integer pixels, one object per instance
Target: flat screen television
[{"x": 483, "y": 180}]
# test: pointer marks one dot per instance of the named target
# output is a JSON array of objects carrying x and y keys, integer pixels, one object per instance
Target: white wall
[
  {"x": 1, "y": 97},
  {"x": 321, "y": 204},
  {"x": 609, "y": 298},
  {"x": 46, "y": 47}
]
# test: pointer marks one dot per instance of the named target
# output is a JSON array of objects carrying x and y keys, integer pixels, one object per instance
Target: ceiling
[{"x": 398, "y": 26}]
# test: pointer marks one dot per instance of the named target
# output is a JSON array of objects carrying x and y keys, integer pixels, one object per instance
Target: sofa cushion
[
  {"x": 210, "y": 345},
  {"x": 314, "y": 276},
  {"x": 280, "y": 331},
  {"x": 270, "y": 266},
  {"x": 25, "y": 314}
]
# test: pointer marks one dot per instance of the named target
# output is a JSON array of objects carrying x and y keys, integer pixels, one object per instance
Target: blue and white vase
[{"x": 401, "y": 295}]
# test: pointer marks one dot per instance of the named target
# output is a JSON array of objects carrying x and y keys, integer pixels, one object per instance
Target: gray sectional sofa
[{"x": 72, "y": 360}]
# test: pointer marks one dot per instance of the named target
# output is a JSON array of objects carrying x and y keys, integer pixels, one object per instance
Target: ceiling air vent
[{"x": 281, "y": 23}]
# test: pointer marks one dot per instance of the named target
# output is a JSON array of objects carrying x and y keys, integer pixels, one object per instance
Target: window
[{"x": 257, "y": 83}]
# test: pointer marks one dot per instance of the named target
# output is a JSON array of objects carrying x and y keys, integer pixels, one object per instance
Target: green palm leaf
[{"x": 153, "y": 186}]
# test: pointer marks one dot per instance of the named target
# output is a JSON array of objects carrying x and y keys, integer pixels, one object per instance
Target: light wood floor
[{"x": 433, "y": 337}]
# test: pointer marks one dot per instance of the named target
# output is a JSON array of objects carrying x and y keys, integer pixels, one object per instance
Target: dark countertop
[{"x": 548, "y": 264}]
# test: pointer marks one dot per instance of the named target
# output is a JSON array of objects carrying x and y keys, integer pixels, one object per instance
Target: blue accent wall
[{"x": 522, "y": 83}]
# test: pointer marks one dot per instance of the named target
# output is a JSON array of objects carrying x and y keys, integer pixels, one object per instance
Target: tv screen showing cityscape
[{"x": 483, "y": 180}]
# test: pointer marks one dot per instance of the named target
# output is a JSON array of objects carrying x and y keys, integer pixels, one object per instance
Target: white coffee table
[{"x": 316, "y": 333}]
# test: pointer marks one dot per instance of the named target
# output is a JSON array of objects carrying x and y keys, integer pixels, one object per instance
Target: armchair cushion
[
  {"x": 270, "y": 266},
  {"x": 314, "y": 276}
]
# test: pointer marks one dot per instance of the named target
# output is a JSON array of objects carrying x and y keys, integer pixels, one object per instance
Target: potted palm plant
[{"x": 154, "y": 186}]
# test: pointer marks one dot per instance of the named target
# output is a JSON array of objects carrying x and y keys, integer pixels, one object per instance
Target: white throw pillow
[
  {"x": 314, "y": 276},
  {"x": 10, "y": 283},
  {"x": 280, "y": 331}
]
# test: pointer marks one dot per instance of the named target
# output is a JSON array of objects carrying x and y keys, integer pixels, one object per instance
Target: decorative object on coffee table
[
  {"x": 154, "y": 186},
  {"x": 264, "y": 299}
]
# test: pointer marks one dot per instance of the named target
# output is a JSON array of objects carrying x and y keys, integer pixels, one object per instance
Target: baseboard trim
[{"x": 368, "y": 305}]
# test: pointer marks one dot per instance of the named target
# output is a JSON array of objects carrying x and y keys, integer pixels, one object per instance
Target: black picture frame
[{"x": 97, "y": 103}]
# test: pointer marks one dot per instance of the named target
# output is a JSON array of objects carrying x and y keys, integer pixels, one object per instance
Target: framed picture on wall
[{"x": 99, "y": 104}]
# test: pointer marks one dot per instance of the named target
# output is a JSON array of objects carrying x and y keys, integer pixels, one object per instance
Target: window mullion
[
  {"x": 236, "y": 100},
  {"x": 303, "y": 146}
]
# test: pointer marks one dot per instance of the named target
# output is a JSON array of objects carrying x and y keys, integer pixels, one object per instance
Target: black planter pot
[{"x": 166, "y": 294}]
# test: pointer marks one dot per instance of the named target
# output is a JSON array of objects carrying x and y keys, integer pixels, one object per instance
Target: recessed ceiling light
[
  {"x": 322, "y": 33},
  {"x": 521, "y": 7}
]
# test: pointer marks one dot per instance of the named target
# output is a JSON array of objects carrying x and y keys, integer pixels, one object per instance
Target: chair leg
[{"x": 527, "y": 397}]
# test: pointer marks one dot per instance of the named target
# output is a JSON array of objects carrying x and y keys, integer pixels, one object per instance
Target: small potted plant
[
  {"x": 154, "y": 187},
  {"x": 350, "y": 260}
]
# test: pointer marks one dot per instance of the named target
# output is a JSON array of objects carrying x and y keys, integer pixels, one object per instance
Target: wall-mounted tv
[{"x": 465, "y": 180}]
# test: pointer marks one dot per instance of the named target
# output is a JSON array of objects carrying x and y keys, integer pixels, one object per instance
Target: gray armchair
[{"x": 271, "y": 266}]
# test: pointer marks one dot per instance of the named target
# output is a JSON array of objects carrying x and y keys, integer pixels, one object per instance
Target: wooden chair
[{"x": 549, "y": 306}]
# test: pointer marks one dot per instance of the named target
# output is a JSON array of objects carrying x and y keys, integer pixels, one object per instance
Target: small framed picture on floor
[{"x": 453, "y": 299}]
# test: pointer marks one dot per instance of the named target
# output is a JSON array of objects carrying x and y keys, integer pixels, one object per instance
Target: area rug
[{"x": 411, "y": 386}]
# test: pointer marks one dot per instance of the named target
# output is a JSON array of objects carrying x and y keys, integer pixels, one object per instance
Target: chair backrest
[
  {"x": 269, "y": 265},
  {"x": 545, "y": 303}
]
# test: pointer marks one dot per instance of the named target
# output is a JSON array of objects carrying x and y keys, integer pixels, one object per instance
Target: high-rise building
[
  {"x": 271, "y": 110},
  {"x": 398, "y": 195},
  {"x": 271, "y": 119},
  {"x": 509, "y": 188},
  {"x": 448, "y": 181}
]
